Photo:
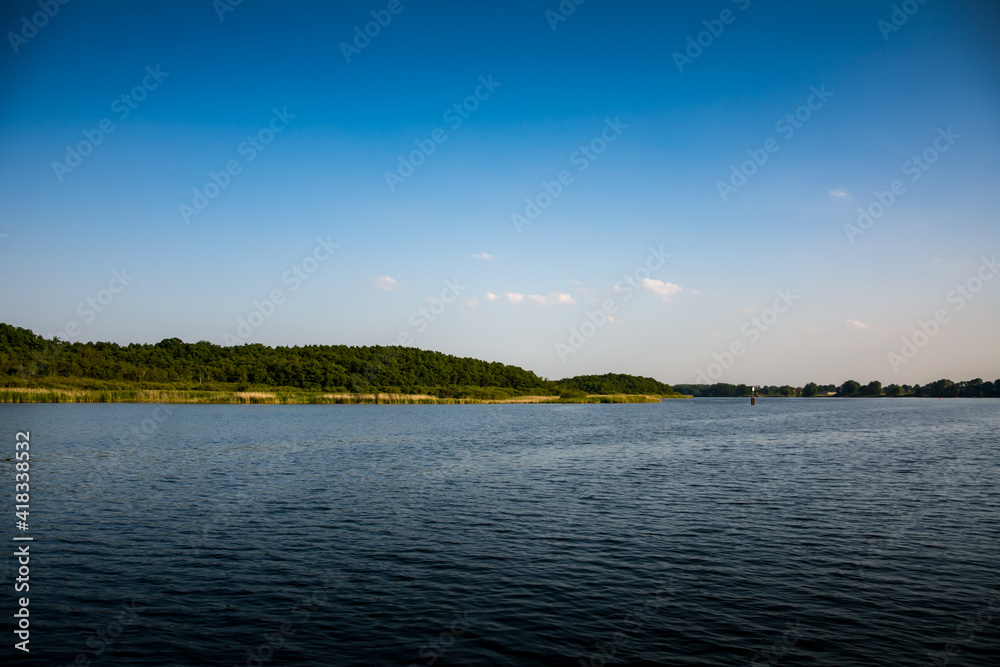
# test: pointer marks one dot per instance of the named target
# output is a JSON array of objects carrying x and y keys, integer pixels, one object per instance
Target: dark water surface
[{"x": 698, "y": 532}]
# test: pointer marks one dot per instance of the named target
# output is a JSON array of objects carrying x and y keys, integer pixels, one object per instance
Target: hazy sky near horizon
[{"x": 637, "y": 187}]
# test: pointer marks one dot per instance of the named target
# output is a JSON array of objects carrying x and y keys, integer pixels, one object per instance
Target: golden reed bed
[{"x": 41, "y": 395}]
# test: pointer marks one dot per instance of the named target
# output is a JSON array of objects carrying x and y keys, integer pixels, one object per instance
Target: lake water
[{"x": 694, "y": 532}]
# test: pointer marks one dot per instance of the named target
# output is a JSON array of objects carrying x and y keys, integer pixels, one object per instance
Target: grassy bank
[{"x": 59, "y": 395}]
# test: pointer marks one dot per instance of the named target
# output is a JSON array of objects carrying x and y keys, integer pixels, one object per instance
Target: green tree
[
  {"x": 940, "y": 389},
  {"x": 849, "y": 388},
  {"x": 810, "y": 389},
  {"x": 873, "y": 388}
]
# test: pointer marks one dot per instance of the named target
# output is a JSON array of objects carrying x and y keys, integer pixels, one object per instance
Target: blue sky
[{"x": 550, "y": 295}]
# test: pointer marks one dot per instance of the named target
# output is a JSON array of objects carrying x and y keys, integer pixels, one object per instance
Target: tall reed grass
[{"x": 36, "y": 395}]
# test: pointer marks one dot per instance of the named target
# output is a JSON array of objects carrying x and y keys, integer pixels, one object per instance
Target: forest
[
  {"x": 851, "y": 389},
  {"x": 28, "y": 360}
]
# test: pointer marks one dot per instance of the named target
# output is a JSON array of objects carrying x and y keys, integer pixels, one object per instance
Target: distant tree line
[
  {"x": 940, "y": 389},
  {"x": 723, "y": 389},
  {"x": 615, "y": 383},
  {"x": 27, "y": 359},
  {"x": 30, "y": 360}
]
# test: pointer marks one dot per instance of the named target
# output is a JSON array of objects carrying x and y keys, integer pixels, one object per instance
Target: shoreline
[{"x": 12, "y": 395}]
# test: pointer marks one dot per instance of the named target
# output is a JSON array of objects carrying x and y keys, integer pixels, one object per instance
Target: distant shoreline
[
  {"x": 11, "y": 395},
  {"x": 39, "y": 370},
  {"x": 194, "y": 397}
]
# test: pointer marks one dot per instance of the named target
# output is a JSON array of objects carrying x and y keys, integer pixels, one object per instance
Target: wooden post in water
[{"x": 753, "y": 397}]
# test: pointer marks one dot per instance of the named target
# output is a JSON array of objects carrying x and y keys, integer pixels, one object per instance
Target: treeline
[
  {"x": 27, "y": 360},
  {"x": 723, "y": 390},
  {"x": 615, "y": 383},
  {"x": 30, "y": 360},
  {"x": 940, "y": 389}
]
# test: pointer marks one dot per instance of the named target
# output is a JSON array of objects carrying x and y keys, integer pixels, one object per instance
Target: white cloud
[
  {"x": 485, "y": 255},
  {"x": 840, "y": 193},
  {"x": 562, "y": 297},
  {"x": 748, "y": 311},
  {"x": 537, "y": 299},
  {"x": 665, "y": 290},
  {"x": 860, "y": 325},
  {"x": 384, "y": 283},
  {"x": 473, "y": 302}
]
